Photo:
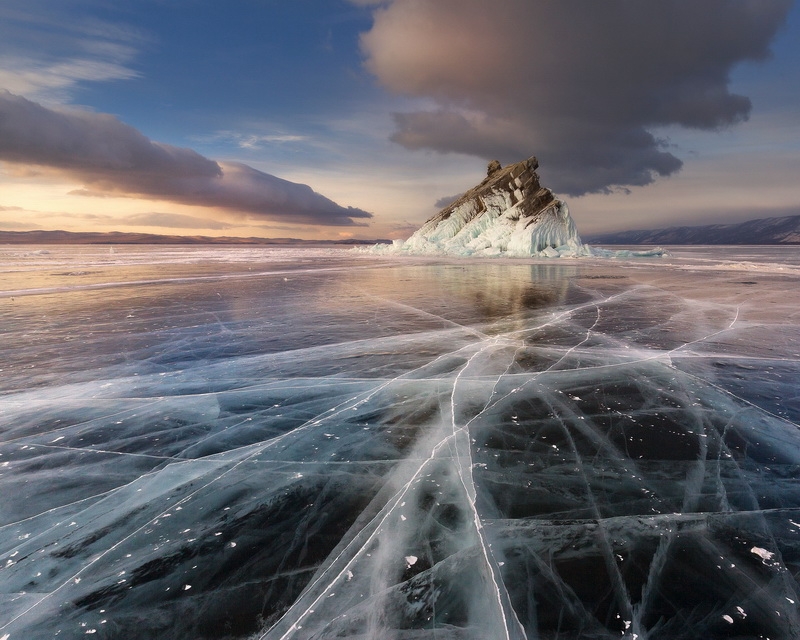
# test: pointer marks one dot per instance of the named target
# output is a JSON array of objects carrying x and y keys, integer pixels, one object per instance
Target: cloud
[
  {"x": 112, "y": 158},
  {"x": 52, "y": 80},
  {"x": 14, "y": 225},
  {"x": 45, "y": 53},
  {"x": 580, "y": 84},
  {"x": 442, "y": 202},
  {"x": 256, "y": 140},
  {"x": 149, "y": 219},
  {"x": 171, "y": 221},
  {"x": 402, "y": 231}
]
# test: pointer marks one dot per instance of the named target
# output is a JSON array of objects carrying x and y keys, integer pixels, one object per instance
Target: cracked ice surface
[{"x": 260, "y": 443}]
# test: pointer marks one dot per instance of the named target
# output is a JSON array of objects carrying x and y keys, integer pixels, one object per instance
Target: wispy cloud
[
  {"x": 51, "y": 80},
  {"x": 172, "y": 221},
  {"x": 254, "y": 140},
  {"x": 112, "y": 158},
  {"x": 147, "y": 219},
  {"x": 580, "y": 84},
  {"x": 45, "y": 55},
  {"x": 17, "y": 225}
]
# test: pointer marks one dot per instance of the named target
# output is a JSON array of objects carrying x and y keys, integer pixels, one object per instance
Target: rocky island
[{"x": 508, "y": 213}]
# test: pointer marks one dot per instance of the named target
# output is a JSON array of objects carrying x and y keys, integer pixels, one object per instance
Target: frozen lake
[{"x": 229, "y": 442}]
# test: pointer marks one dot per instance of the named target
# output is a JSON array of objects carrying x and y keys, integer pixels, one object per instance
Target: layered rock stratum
[{"x": 508, "y": 213}]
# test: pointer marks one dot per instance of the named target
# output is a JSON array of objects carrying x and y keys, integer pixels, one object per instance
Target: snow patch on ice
[{"x": 762, "y": 553}]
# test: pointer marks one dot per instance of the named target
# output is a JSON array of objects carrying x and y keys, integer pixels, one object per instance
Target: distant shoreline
[{"x": 120, "y": 238}]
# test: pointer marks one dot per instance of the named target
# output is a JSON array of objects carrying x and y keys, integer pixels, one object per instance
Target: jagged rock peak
[{"x": 518, "y": 186}]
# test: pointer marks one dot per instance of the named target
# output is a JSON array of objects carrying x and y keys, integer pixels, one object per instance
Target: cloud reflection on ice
[{"x": 581, "y": 449}]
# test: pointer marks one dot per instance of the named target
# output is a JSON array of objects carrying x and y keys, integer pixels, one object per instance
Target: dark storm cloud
[
  {"x": 577, "y": 83},
  {"x": 112, "y": 158}
]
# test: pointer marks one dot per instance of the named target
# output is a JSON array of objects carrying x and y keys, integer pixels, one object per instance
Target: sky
[{"x": 336, "y": 119}]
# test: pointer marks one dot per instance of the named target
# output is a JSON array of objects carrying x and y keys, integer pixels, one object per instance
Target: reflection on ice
[{"x": 429, "y": 448}]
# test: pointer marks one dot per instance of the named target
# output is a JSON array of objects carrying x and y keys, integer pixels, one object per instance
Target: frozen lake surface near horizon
[{"x": 250, "y": 442}]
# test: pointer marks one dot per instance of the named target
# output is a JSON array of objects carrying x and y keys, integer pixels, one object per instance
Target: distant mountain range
[
  {"x": 117, "y": 237},
  {"x": 784, "y": 230}
]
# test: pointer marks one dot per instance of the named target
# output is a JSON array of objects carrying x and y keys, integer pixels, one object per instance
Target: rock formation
[{"x": 509, "y": 213}]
